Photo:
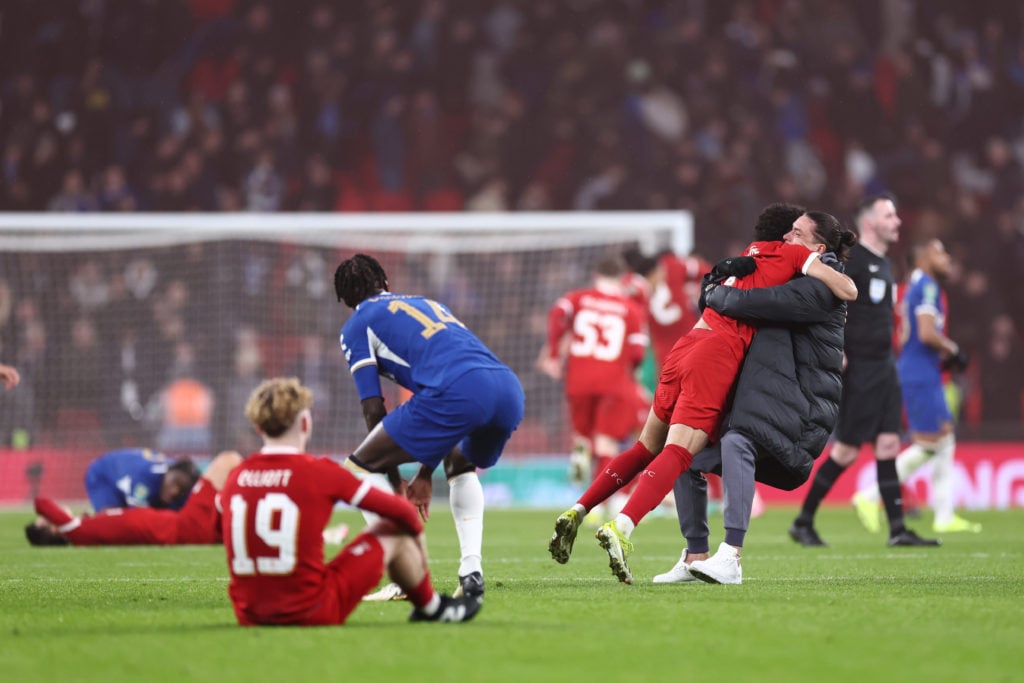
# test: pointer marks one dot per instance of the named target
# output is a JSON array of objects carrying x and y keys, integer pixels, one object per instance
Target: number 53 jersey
[
  {"x": 414, "y": 341},
  {"x": 606, "y": 341}
]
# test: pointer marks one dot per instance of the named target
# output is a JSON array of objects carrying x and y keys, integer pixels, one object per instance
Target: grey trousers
[{"x": 733, "y": 456}]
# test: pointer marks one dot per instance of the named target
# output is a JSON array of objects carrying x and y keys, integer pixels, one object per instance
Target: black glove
[
  {"x": 736, "y": 266},
  {"x": 958, "y": 362},
  {"x": 829, "y": 258},
  {"x": 709, "y": 282}
]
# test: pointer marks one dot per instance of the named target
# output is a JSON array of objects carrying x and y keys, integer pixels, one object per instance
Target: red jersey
[
  {"x": 274, "y": 508},
  {"x": 608, "y": 340},
  {"x": 777, "y": 263},
  {"x": 672, "y": 308}
]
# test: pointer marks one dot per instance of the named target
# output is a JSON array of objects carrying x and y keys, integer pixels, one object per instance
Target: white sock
[
  {"x": 379, "y": 481},
  {"x": 625, "y": 524},
  {"x": 580, "y": 510},
  {"x": 911, "y": 460},
  {"x": 943, "y": 480},
  {"x": 907, "y": 462},
  {"x": 466, "y": 496},
  {"x": 433, "y": 605}
]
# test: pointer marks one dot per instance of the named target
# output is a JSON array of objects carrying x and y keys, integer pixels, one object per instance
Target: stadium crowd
[{"x": 492, "y": 105}]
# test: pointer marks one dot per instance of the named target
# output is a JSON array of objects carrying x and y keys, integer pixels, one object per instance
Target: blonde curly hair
[{"x": 274, "y": 404}]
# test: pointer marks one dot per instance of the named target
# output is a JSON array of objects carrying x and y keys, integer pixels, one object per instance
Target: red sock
[
  {"x": 615, "y": 475},
  {"x": 422, "y": 593},
  {"x": 656, "y": 481},
  {"x": 52, "y": 512},
  {"x": 603, "y": 461}
]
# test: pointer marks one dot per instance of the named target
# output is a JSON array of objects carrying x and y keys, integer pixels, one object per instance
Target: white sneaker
[
  {"x": 680, "y": 573},
  {"x": 722, "y": 567},
  {"x": 392, "y": 591},
  {"x": 336, "y": 535}
]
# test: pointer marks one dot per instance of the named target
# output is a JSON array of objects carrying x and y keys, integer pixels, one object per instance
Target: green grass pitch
[{"x": 855, "y": 611}]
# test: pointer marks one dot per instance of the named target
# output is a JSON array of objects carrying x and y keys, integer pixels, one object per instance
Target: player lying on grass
[
  {"x": 693, "y": 388},
  {"x": 139, "y": 477},
  {"x": 275, "y": 506},
  {"x": 465, "y": 402},
  {"x": 195, "y": 523}
]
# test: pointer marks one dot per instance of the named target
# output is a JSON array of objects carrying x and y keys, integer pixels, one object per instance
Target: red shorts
[
  {"x": 603, "y": 414},
  {"x": 356, "y": 571},
  {"x": 198, "y": 521},
  {"x": 696, "y": 379}
]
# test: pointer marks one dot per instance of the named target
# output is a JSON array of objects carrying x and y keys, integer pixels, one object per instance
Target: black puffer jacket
[{"x": 787, "y": 395}]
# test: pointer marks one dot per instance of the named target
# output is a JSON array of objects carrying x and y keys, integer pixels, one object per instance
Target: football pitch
[{"x": 855, "y": 611}]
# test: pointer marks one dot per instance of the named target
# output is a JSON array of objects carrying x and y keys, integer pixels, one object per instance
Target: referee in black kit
[{"x": 870, "y": 408}]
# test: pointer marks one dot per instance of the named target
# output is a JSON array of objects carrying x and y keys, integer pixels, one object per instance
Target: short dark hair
[
  {"x": 831, "y": 232},
  {"x": 611, "y": 266},
  {"x": 775, "y": 220},
  {"x": 869, "y": 202},
  {"x": 188, "y": 468},
  {"x": 918, "y": 247},
  {"x": 639, "y": 262},
  {"x": 358, "y": 278}
]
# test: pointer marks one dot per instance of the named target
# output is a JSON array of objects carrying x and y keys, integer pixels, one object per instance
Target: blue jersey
[
  {"x": 919, "y": 363},
  {"x": 413, "y": 341},
  {"x": 130, "y": 477}
]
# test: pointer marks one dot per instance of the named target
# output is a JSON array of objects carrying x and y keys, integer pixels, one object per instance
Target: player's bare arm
[
  {"x": 840, "y": 284},
  {"x": 929, "y": 334}
]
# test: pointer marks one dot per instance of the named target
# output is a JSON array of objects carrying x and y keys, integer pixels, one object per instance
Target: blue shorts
[
  {"x": 478, "y": 411},
  {"x": 926, "y": 407}
]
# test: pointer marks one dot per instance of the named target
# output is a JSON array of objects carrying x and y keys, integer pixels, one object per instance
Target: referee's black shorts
[{"x": 871, "y": 403}]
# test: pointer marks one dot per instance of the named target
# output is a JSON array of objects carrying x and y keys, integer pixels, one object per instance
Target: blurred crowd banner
[{"x": 989, "y": 476}]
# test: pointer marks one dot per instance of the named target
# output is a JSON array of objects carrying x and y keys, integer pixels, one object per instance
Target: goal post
[{"x": 151, "y": 329}]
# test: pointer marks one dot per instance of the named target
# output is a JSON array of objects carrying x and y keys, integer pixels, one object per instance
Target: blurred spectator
[
  {"x": 496, "y": 105},
  {"x": 184, "y": 407},
  {"x": 73, "y": 195},
  {"x": 1002, "y": 378}
]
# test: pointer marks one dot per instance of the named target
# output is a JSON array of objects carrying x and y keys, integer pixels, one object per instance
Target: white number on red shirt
[
  {"x": 598, "y": 335},
  {"x": 282, "y": 536}
]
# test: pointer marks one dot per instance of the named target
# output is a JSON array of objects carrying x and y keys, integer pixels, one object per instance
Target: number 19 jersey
[
  {"x": 274, "y": 509},
  {"x": 414, "y": 341}
]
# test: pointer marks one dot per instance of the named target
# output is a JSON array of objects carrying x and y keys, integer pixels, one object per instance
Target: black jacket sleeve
[{"x": 803, "y": 300}]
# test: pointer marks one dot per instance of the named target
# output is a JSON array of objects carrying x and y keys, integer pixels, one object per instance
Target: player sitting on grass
[{"x": 275, "y": 506}]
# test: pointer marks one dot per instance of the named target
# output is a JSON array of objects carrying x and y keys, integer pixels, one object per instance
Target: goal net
[{"x": 152, "y": 329}]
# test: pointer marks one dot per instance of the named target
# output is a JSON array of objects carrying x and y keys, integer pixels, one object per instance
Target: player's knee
[
  {"x": 218, "y": 469},
  {"x": 457, "y": 466},
  {"x": 844, "y": 454},
  {"x": 385, "y": 528},
  {"x": 887, "y": 447}
]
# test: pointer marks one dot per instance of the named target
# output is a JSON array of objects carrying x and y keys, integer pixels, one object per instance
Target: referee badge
[{"x": 876, "y": 290}]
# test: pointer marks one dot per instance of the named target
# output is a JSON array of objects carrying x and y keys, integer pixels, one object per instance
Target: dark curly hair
[
  {"x": 358, "y": 278},
  {"x": 775, "y": 220},
  {"x": 188, "y": 468},
  {"x": 641, "y": 263},
  {"x": 831, "y": 232}
]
